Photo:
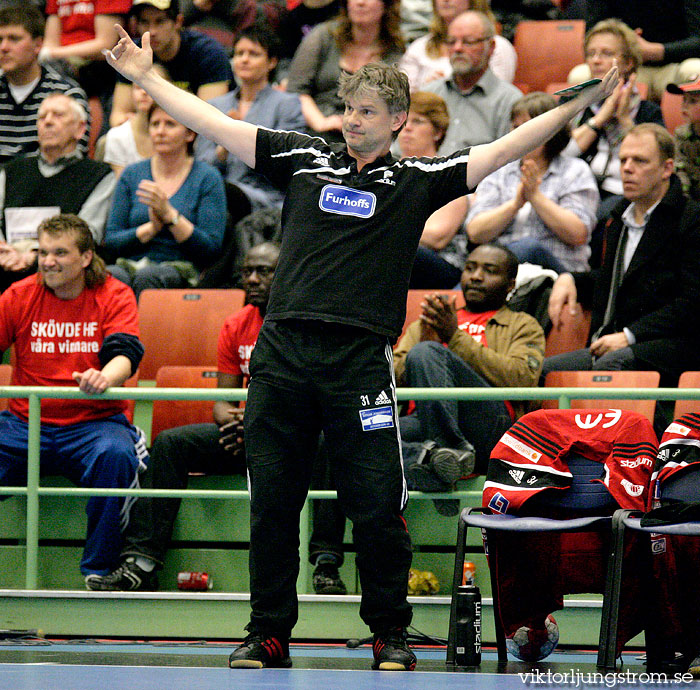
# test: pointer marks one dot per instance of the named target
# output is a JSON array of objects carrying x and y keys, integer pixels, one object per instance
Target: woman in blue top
[{"x": 169, "y": 212}]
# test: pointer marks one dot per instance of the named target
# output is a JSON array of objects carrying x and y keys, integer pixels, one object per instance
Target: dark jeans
[
  {"x": 450, "y": 422},
  {"x": 529, "y": 250},
  {"x": 175, "y": 453},
  {"x": 196, "y": 448},
  {"x": 582, "y": 360},
  {"x": 154, "y": 277},
  {"x": 308, "y": 378}
]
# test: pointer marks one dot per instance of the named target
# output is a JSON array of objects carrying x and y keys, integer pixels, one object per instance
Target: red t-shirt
[
  {"x": 78, "y": 16},
  {"x": 55, "y": 337},
  {"x": 237, "y": 339},
  {"x": 474, "y": 324}
]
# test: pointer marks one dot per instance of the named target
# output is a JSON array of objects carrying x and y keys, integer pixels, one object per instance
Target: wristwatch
[{"x": 590, "y": 122}]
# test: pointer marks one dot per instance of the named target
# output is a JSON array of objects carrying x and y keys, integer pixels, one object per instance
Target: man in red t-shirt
[
  {"x": 75, "y": 324},
  {"x": 481, "y": 344},
  {"x": 80, "y": 29}
]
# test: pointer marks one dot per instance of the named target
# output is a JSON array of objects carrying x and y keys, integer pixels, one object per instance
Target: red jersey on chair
[{"x": 527, "y": 468}]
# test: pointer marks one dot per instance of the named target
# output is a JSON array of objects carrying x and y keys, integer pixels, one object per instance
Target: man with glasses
[{"x": 478, "y": 101}]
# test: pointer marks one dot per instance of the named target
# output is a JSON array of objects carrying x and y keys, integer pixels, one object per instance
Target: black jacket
[{"x": 659, "y": 297}]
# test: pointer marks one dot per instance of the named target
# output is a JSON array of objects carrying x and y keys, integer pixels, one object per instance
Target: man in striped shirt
[{"x": 25, "y": 83}]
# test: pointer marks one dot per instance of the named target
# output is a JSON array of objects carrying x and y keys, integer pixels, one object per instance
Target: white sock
[{"x": 146, "y": 564}]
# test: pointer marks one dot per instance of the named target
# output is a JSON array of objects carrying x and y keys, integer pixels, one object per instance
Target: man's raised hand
[{"x": 127, "y": 58}]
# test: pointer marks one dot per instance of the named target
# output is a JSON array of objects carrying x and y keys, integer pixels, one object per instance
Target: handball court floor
[{"x": 38, "y": 664}]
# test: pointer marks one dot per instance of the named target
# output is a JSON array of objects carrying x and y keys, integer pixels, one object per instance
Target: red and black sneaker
[
  {"x": 261, "y": 651},
  {"x": 391, "y": 652}
]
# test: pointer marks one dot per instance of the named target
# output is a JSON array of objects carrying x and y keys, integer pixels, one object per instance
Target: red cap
[{"x": 690, "y": 87}]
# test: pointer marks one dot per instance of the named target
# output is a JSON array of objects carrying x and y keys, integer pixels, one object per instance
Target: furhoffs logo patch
[{"x": 347, "y": 202}]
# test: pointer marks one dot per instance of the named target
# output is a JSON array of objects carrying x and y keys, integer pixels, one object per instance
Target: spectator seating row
[
  {"x": 181, "y": 327},
  {"x": 168, "y": 414}
]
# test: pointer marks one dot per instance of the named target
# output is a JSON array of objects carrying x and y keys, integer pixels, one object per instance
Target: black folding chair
[
  {"x": 683, "y": 487},
  {"x": 585, "y": 507}
]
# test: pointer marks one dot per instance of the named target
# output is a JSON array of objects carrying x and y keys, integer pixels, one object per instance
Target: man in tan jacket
[{"x": 482, "y": 344}]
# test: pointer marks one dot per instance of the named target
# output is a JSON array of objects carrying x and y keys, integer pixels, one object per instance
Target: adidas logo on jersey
[
  {"x": 382, "y": 399},
  {"x": 517, "y": 475}
]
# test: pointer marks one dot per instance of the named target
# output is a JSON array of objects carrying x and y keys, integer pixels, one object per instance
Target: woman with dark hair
[
  {"x": 365, "y": 31},
  {"x": 256, "y": 52},
  {"x": 168, "y": 214},
  {"x": 542, "y": 207}
]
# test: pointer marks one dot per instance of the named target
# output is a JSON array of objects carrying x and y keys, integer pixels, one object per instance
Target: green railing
[{"x": 35, "y": 394}]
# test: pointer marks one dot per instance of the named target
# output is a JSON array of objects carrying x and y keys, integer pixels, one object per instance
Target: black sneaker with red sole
[
  {"x": 261, "y": 651},
  {"x": 391, "y": 652}
]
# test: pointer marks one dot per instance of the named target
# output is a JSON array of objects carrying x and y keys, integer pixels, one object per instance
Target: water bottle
[{"x": 468, "y": 626}]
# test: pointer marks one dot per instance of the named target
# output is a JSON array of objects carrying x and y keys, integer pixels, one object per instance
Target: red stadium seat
[
  {"x": 605, "y": 379},
  {"x": 181, "y": 327},
  {"x": 571, "y": 335},
  {"x": 671, "y": 110},
  {"x": 688, "y": 379},
  {"x": 172, "y": 413},
  {"x": 547, "y": 51}
]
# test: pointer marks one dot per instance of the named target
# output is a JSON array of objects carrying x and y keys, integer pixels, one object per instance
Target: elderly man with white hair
[{"x": 57, "y": 179}]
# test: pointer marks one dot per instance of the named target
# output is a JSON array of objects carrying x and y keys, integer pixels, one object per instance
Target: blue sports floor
[{"x": 95, "y": 665}]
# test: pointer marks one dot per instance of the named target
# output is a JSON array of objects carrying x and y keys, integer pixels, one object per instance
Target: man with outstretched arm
[{"x": 322, "y": 363}]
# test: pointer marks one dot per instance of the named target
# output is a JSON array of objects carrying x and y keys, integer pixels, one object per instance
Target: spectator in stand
[
  {"x": 130, "y": 141},
  {"x": 443, "y": 244},
  {"x": 299, "y": 21},
  {"x": 194, "y": 61},
  {"x": 687, "y": 138},
  {"x": 76, "y": 34},
  {"x": 365, "y": 31},
  {"x": 75, "y": 325},
  {"x": 509, "y": 13},
  {"x": 217, "y": 448},
  {"x": 480, "y": 345},
  {"x": 58, "y": 179},
  {"x": 543, "y": 207},
  {"x": 668, "y": 37},
  {"x": 255, "y": 56},
  {"x": 232, "y": 16},
  {"x": 478, "y": 101},
  {"x": 81, "y": 31},
  {"x": 25, "y": 83},
  {"x": 644, "y": 296},
  {"x": 427, "y": 57},
  {"x": 599, "y": 130},
  {"x": 169, "y": 213}
]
